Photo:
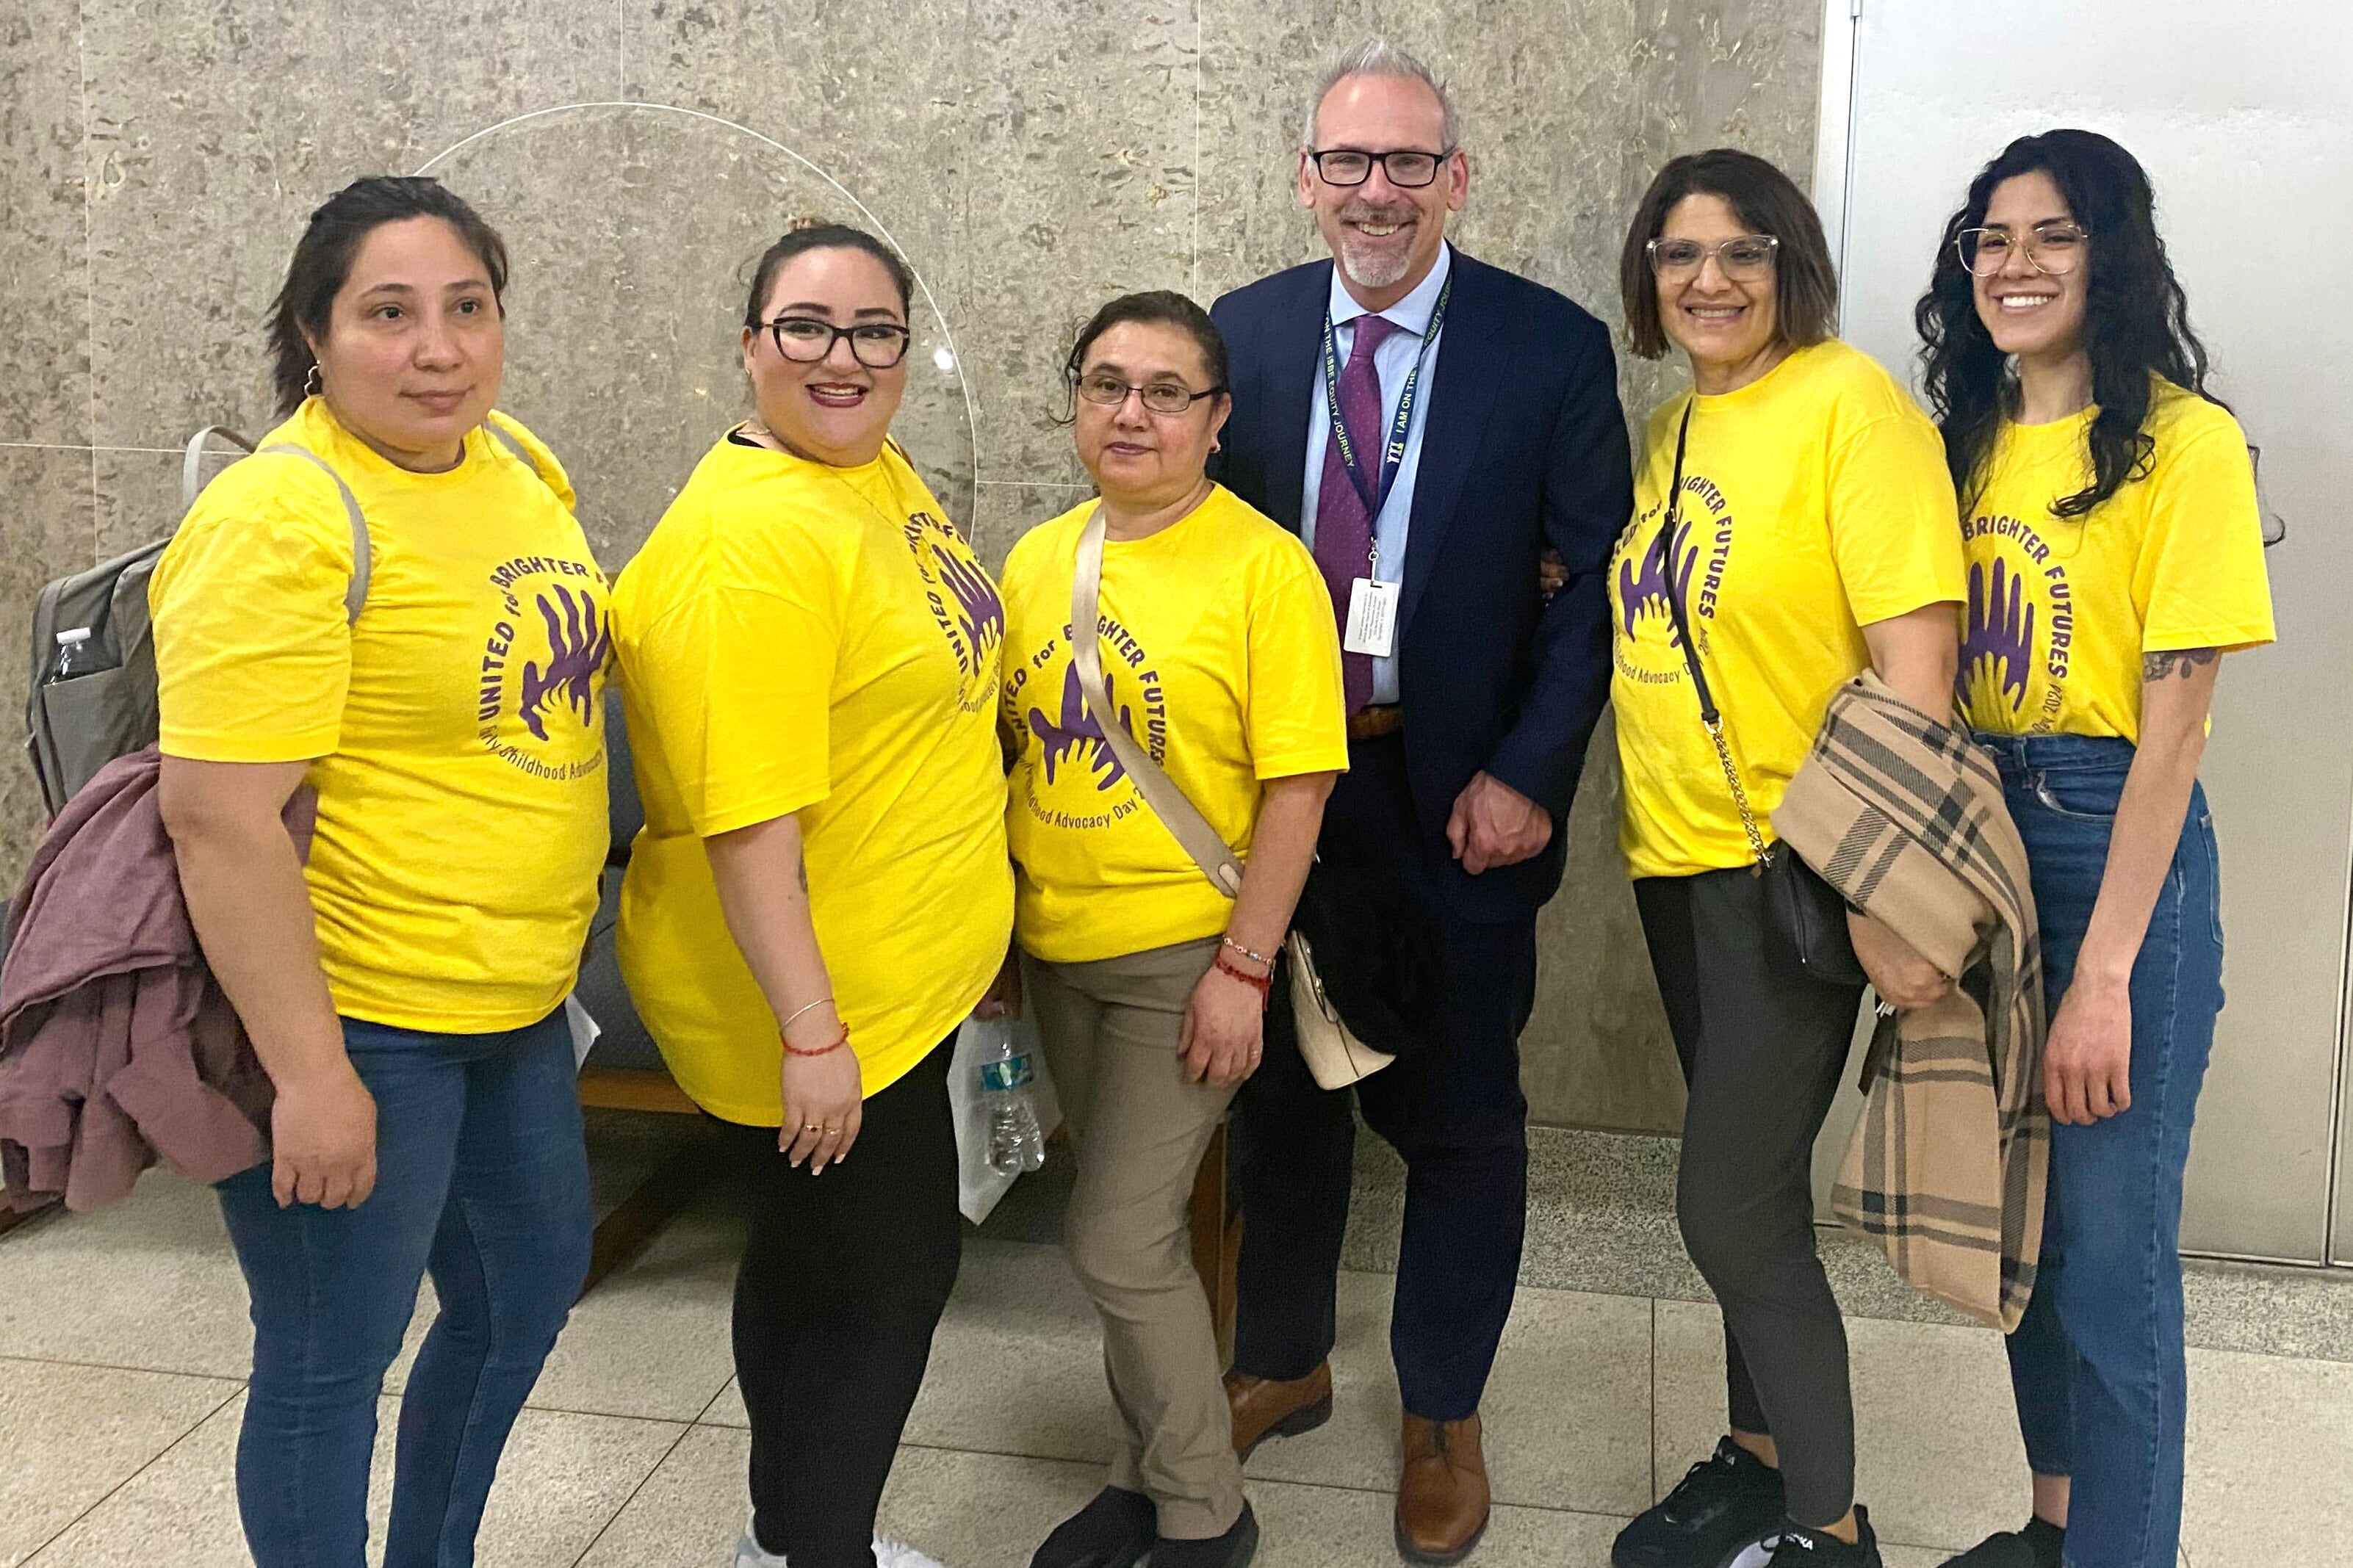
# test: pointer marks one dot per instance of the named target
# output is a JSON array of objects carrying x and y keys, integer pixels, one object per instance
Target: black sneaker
[
  {"x": 1234, "y": 1549},
  {"x": 1722, "y": 1506},
  {"x": 2036, "y": 1546},
  {"x": 1115, "y": 1531},
  {"x": 1798, "y": 1547}
]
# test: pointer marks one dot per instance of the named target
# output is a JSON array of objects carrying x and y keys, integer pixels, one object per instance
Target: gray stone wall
[{"x": 157, "y": 160}]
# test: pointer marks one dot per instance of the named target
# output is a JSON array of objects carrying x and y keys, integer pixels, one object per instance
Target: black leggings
[
  {"x": 843, "y": 1281},
  {"x": 1762, "y": 1054}
]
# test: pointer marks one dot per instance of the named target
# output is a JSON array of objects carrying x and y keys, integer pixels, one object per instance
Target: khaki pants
[{"x": 1110, "y": 1030}]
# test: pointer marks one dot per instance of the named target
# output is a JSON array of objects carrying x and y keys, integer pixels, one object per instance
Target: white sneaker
[
  {"x": 748, "y": 1554},
  {"x": 888, "y": 1553}
]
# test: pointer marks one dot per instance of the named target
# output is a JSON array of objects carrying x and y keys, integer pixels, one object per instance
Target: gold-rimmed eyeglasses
[{"x": 2055, "y": 248}]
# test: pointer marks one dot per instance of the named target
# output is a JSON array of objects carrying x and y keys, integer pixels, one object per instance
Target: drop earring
[{"x": 311, "y": 385}]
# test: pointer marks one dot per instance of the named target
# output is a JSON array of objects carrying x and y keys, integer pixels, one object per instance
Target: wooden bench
[{"x": 624, "y": 1072}]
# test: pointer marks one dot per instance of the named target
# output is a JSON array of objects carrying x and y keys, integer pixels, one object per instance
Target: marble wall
[{"x": 157, "y": 158}]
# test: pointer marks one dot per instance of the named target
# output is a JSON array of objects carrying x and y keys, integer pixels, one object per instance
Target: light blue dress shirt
[{"x": 1394, "y": 361}]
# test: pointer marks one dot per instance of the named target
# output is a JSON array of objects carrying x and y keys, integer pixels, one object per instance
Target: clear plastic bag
[{"x": 978, "y": 1184}]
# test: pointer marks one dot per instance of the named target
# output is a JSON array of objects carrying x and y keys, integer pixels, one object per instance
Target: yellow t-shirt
[
  {"x": 800, "y": 638},
  {"x": 1815, "y": 502},
  {"x": 2062, "y": 609},
  {"x": 458, "y": 724},
  {"x": 1221, "y": 652}
]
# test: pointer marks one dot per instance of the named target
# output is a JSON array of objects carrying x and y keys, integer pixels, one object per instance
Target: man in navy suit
[{"x": 1430, "y": 425}]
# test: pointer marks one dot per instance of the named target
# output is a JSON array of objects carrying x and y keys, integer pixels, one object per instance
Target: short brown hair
[{"x": 1768, "y": 202}]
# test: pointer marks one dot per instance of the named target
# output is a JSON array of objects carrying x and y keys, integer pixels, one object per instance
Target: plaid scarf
[{"x": 1905, "y": 816}]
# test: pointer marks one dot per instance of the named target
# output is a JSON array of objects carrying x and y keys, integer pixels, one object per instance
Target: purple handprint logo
[
  {"x": 980, "y": 614},
  {"x": 1076, "y": 732},
  {"x": 1644, "y": 590},
  {"x": 1999, "y": 638},
  {"x": 576, "y": 642}
]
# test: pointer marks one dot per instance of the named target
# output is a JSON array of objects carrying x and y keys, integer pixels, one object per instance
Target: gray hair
[{"x": 1375, "y": 56}]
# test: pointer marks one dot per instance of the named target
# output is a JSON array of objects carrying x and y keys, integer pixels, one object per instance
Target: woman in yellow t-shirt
[
  {"x": 405, "y": 989},
  {"x": 820, "y": 894},
  {"x": 2114, "y": 554},
  {"x": 1221, "y": 658},
  {"x": 1811, "y": 538}
]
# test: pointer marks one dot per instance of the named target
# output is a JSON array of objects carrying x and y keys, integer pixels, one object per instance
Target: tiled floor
[{"x": 122, "y": 1339}]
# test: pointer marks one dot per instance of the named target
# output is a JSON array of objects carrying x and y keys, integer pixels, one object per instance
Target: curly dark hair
[{"x": 2135, "y": 317}]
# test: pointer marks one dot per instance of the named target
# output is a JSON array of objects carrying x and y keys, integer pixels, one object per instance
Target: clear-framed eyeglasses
[
  {"x": 1745, "y": 258},
  {"x": 1407, "y": 169},
  {"x": 2055, "y": 248},
  {"x": 877, "y": 345},
  {"x": 1159, "y": 396}
]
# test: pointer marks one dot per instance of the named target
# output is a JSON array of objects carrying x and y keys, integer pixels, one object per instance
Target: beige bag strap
[{"x": 1179, "y": 816}]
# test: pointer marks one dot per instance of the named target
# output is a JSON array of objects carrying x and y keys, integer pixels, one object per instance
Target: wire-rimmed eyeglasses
[
  {"x": 2054, "y": 248},
  {"x": 1159, "y": 396}
]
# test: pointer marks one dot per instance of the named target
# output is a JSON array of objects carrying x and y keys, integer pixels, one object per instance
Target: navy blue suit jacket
[{"x": 1525, "y": 445}]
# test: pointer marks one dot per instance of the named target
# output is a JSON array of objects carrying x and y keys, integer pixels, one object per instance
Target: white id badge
[{"x": 1372, "y": 618}]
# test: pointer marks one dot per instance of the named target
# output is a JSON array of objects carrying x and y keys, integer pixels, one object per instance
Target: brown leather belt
[{"x": 1371, "y": 723}]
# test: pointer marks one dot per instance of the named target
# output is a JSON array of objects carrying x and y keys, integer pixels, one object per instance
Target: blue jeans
[
  {"x": 481, "y": 1178},
  {"x": 2097, "y": 1365}
]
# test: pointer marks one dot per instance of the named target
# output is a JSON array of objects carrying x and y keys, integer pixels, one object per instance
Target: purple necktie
[{"x": 1343, "y": 525}]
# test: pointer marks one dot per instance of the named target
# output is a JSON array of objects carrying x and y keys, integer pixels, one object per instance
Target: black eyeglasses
[
  {"x": 877, "y": 345},
  {"x": 1160, "y": 397},
  {"x": 1407, "y": 170}
]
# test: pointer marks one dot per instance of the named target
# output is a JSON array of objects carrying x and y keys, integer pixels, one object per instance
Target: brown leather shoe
[
  {"x": 1267, "y": 1407},
  {"x": 1441, "y": 1506}
]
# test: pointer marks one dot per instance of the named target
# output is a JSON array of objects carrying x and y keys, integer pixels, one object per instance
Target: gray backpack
[{"x": 93, "y": 696}]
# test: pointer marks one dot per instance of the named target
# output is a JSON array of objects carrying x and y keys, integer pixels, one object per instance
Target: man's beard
[{"x": 1374, "y": 267}]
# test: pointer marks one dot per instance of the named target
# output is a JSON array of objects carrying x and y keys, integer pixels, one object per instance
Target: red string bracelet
[
  {"x": 1262, "y": 983},
  {"x": 840, "y": 1041}
]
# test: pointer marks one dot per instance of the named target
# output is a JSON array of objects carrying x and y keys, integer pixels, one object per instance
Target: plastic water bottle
[
  {"x": 75, "y": 655},
  {"x": 1015, "y": 1141}
]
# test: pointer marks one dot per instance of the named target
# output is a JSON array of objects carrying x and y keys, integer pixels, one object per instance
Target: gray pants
[
  {"x": 1762, "y": 1053},
  {"x": 1110, "y": 1030}
]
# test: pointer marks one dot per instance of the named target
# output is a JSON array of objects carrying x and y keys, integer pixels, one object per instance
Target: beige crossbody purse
[{"x": 1333, "y": 1056}]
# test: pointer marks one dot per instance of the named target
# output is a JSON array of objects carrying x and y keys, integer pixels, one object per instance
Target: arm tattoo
[{"x": 2156, "y": 667}]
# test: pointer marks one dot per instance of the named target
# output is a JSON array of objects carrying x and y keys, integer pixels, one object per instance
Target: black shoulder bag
[{"x": 1805, "y": 917}]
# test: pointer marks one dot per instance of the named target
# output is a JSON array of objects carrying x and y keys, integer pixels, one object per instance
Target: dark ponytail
[
  {"x": 812, "y": 234},
  {"x": 323, "y": 256}
]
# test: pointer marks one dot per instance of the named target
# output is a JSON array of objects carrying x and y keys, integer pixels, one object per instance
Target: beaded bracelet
[
  {"x": 1254, "y": 956},
  {"x": 1262, "y": 983},
  {"x": 840, "y": 1041}
]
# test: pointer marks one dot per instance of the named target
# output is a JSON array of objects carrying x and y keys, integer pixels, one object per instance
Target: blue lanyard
[{"x": 1393, "y": 454}]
